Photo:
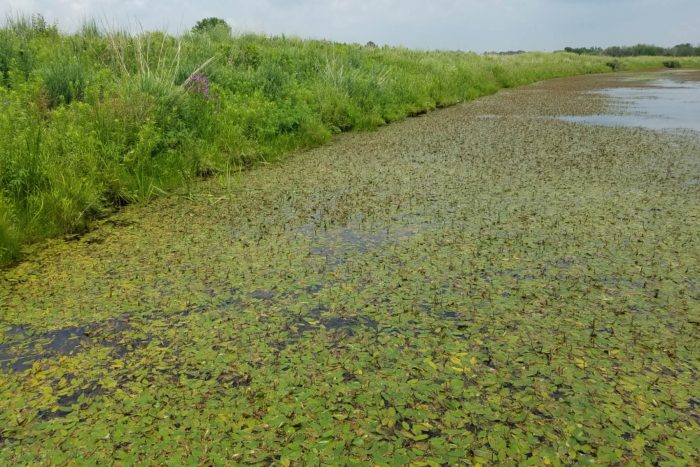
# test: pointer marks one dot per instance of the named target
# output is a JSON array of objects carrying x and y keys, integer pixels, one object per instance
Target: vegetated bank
[{"x": 93, "y": 120}]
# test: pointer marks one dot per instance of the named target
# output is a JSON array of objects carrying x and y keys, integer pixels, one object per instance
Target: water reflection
[{"x": 670, "y": 103}]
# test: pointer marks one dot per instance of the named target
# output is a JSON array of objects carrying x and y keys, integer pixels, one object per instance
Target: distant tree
[
  {"x": 614, "y": 51},
  {"x": 649, "y": 50},
  {"x": 208, "y": 24},
  {"x": 680, "y": 50},
  {"x": 684, "y": 50},
  {"x": 584, "y": 50}
]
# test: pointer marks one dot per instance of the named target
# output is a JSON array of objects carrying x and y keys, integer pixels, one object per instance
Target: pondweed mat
[{"x": 485, "y": 284}]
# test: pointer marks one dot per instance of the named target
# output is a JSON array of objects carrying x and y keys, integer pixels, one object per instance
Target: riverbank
[{"x": 96, "y": 120}]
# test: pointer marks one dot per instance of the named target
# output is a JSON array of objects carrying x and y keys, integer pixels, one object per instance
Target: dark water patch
[
  {"x": 319, "y": 319},
  {"x": 340, "y": 322},
  {"x": 22, "y": 347},
  {"x": 667, "y": 104},
  {"x": 67, "y": 404},
  {"x": 516, "y": 274},
  {"x": 564, "y": 263},
  {"x": 622, "y": 283},
  {"x": 318, "y": 310},
  {"x": 229, "y": 303},
  {"x": 20, "y": 355},
  {"x": 262, "y": 294},
  {"x": 313, "y": 289}
]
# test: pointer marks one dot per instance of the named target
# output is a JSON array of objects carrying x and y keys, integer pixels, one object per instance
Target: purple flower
[{"x": 199, "y": 84}]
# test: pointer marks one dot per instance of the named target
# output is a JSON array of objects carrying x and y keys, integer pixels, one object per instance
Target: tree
[
  {"x": 208, "y": 24},
  {"x": 683, "y": 50}
]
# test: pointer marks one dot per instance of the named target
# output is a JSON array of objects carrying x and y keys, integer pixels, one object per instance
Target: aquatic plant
[{"x": 487, "y": 285}]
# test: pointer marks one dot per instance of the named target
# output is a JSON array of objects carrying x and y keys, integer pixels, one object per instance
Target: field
[{"x": 96, "y": 120}]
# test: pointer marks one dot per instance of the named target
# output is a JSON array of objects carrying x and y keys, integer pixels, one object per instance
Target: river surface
[
  {"x": 485, "y": 284},
  {"x": 671, "y": 102}
]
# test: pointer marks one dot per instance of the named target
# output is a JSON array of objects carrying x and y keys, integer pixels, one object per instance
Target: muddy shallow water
[{"x": 484, "y": 283}]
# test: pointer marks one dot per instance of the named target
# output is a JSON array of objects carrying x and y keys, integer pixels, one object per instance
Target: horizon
[{"x": 445, "y": 25}]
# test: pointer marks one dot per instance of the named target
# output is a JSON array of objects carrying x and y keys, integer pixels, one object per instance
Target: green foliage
[
  {"x": 16, "y": 57},
  {"x": 95, "y": 120},
  {"x": 615, "y": 65},
  {"x": 639, "y": 50},
  {"x": 9, "y": 242},
  {"x": 65, "y": 80},
  {"x": 6, "y": 56},
  {"x": 211, "y": 24}
]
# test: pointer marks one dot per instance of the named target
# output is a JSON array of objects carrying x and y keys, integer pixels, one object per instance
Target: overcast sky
[{"x": 477, "y": 25}]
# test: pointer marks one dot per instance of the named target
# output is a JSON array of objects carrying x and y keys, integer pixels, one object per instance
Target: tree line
[{"x": 680, "y": 50}]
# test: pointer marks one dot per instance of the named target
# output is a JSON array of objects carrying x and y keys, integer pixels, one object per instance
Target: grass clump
[
  {"x": 97, "y": 119},
  {"x": 9, "y": 244},
  {"x": 65, "y": 82}
]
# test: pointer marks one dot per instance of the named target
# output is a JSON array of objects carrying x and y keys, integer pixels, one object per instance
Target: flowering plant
[{"x": 199, "y": 84}]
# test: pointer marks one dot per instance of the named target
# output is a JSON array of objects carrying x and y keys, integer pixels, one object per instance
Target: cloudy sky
[{"x": 478, "y": 25}]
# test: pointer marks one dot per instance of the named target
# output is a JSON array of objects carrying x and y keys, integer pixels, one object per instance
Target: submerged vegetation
[{"x": 94, "y": 120}]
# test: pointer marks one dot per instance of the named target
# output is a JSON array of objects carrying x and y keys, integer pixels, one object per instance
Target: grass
[{"x": 93, "y": 120}]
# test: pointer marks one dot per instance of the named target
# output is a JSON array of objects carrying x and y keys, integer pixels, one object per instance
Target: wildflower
[{"x": 199, "y": 84}]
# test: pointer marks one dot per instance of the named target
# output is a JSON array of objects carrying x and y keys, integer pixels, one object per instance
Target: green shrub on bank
[{"x": 93, "y": 120}]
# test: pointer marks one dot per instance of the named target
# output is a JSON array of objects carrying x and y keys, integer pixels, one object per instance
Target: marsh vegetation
[{"x": 94, "y": 120}]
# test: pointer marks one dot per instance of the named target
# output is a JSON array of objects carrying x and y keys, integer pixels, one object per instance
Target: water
[{"x": 664, "y": 104}]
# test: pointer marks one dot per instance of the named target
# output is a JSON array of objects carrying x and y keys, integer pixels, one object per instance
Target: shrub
[
  {"x": 615, "y": 65},
  {"x": 672, "y": 64}
]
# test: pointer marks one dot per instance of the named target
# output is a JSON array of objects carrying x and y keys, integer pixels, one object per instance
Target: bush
[
  {"x": 615, "y": 65},
  {"x": 672, "y": 64}
]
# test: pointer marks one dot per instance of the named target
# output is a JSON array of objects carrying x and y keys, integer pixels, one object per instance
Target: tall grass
[{"x": 94, "y": 120}]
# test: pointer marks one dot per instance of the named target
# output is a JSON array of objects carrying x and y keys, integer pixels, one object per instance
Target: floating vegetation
[{"x": 451, "y": 289}]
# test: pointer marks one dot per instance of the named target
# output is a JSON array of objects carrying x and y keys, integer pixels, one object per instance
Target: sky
[{"x": 475, "y": 25}]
